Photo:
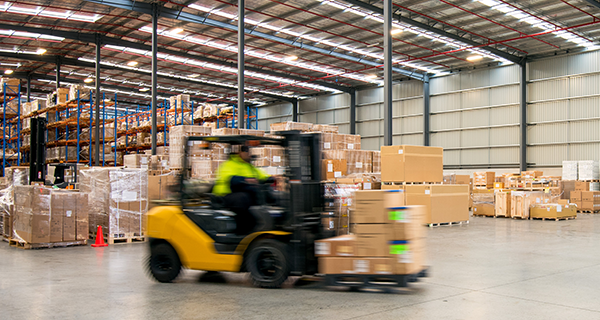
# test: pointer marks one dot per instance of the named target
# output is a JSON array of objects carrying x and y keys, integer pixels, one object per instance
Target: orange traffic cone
[{"x": 99, "y": 239}]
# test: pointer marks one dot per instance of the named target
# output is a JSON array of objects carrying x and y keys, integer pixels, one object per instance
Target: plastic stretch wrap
[
  {"x": 83, "y": 92},
  {"x": 175, "y": 119},
  {"x": 569, "y": 170},
  {"x": 17, "y": 176},
  {"x": 6, "y": 210},
  {"x": 270, "y": 156},
  {"x": 340, "y": 201},
  {"x": 225, "y": 132},
  {"x": 210, "y": 110},
  {"x": 69, "y": 220},
  {"x": 220, "y": 151},
  {"x": 358, "y": 161},
  {"x": 328, "y": 141},
  {"x": 198, "y": 111},
  {"x": 177, "y": 142},
  {"x": 588, "y": 170},
  {"x": 201, "y": 169},
  {"x": 376, "y": 161},
  {"x": 325, "y": 128},
  {"x": 290, "y": 125},
  {"x": 31, "y": 217}
]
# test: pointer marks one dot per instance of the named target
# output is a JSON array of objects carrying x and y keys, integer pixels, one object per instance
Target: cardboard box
[
  {"x": 371, "y": 244},
  {"x": 484, "y": 209},
  {"x": 411, "y": 164},
  {"x": 31, "y": 217},
  {"x": 337, "y": 265},
  {"x": 57, "y": 213},
  {"x": 82, "y": 217},
  {"x": 371, "y": 206},
  {"x": 484, "y": 179},
  {"x": 340, "y": 246},
  {"x": 566, "y": 187},
  {"x": 521, "y": 202},
  {"x": 502, "y": 203},
  {"x": 332, "y": 169},
  {"x": 498, "y": 185},
  {"x": 159, "y": 184},
  {"x": 442, "y": 203},
  {"x": 483, "y": 202},
  {"x": 582, "y": 186},
  {"x": 408, "y": 256},
  {"x": 553, "y": 210},
  {"x": 531, "y": 174},
  {"x": 405, "y": 223},
  {"x": 576, "y": 196}
]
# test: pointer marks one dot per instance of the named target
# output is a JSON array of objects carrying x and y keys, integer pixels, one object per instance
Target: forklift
[{"x": 198, "y": 232}]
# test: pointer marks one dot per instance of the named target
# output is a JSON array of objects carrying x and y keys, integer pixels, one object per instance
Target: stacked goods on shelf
[
  {"x": 338, "y": 212},
  {"x": 484, "y": 179},
  {"x": 411, "y": 164},
  {"x": 389, "y": 238},
  {"x": 210, "y": 110},
  {"x": 78, "y": 88},
  {"x": 177, "y": 139},
  {"x": 57, "y": 97},
  {"x": 12, "y": 85},
  {"x": 569, "y": 170},
  {"x": 553, "y": 211},
  {"x": 483, "y": 202},
  {"x": 587, "y": 170},
  {"x": 502, "y": 203},
  {"x": 44, "y": 216},
  {"x": 118, "y": 200}
]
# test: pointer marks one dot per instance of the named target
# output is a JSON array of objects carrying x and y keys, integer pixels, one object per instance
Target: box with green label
[
  {"x": 404, "y": 223},
  {"x": 370, "y": 206},
  {"x": 408, "y": 255}
]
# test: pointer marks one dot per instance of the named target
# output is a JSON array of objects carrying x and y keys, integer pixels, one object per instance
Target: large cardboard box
[
  {"x": 340, "y": 246},
  {"x": 371, "y": 244},
  {"x": 566, "y": 187},
  {"x": 404, "y": 223},
  {"x": 411, "y": 164},
  {"x": 408, "y": 256},
  {"x": 31, "y": 222},
  {"x": 552, "y": 210},
  {"x": 57, "y": 214},
  {"x": 82, "y": 217},
  {"x": 484, "y": 179},
  {"x": 502, "y": 203},
  {"x": 443, "y": 203},
  {"x": 371, "y": 206},
  {"x": 338, "y": 265},
  {"x": 483, "y": 202},
  {"x": 333, "y": 168},
  {"x": 531, "y": 174},
  {"x": 159, "y": 184}
]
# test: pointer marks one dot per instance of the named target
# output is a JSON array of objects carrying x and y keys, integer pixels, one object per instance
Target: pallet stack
[{"x": 418, "y": 172}]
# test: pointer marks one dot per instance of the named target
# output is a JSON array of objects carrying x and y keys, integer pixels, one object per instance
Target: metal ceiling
[{"x": 294, "y": 48}]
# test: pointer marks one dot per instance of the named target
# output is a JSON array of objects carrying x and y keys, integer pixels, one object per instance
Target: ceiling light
[
  {"x": 287, "y": 93},
  {"x": 396, "y": 31},
  {"x": 291, "y": 58},
  {"x": 144, "y": 89},
  {"x": 177, "y": 30},
  {"x": 8, "y": 71},
  {"x": 474, "y": 58},
  {"x": 371, "y": 76},
  {"x": 194, "y": 75},
  {"x": 41, "y": 51},
  {"x": 132, "y": 63},
  {"x": 88, "y": 80}
]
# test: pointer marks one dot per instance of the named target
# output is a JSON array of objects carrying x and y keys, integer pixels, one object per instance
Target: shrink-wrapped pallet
[
  {"x": 290, "y": 125},
  {"x": 358, "y": 161},
  {"x": 177, "y": 138}
]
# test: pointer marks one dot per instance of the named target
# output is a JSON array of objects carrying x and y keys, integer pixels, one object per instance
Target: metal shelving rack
[{"x": 9, "y": 94}]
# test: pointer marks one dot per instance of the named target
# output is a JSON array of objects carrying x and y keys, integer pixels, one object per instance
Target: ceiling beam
[
  {"x": 91, "y": 39},
  {"x": 84, "y": 64},
  {"x": 443, "y": 33},
  {"x": 146, "y": 8}
]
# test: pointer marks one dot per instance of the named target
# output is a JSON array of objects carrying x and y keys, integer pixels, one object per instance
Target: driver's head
[{"x": 245, "y": 153}]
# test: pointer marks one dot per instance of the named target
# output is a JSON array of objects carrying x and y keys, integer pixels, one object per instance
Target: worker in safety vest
[{"x": 237, "y": 182}]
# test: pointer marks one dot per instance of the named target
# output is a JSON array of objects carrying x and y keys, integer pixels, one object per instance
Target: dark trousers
[{"x": 239, "y": 203}]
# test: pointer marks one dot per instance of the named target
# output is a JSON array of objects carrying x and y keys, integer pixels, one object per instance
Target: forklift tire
[
  {"x": 268, "y": 263},
  {"x": 164, "y": 263}
]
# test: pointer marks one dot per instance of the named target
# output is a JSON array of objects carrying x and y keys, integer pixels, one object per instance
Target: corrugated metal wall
[
  {"x": 330, "y": 109},
  {"x": 273, "y": 113},
  {"x": 407, "y": 115},
  {"x": 564, "y": 109},
  {"x": 475, "y": 117}
]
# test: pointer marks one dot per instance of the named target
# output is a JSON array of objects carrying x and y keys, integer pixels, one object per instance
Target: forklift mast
[{"x": 37, "y": 156}]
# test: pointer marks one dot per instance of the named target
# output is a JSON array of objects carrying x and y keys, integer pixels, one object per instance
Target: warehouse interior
[{"x": 425, "y": 158}]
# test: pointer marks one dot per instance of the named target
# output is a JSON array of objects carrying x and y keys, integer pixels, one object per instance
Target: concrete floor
[{"x": 489, "y": 269}]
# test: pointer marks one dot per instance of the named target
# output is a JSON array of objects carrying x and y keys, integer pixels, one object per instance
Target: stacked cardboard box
[
  {"x": 69, "y": 219},
  {"x": 290, "y": 125},
  {"x": 268, "y": 156},
  {"x": 118, "y": 199},
  {"x": 569, "y": 170},
  {"x": 177, "y": 140},
  {"x": 324, "y": 128},
  {"x": 159, "y": 186},
  {"x": 251, "y": 132},
  {"x": 442, "y": 203},
  {"x": 484, "y": 179},
  {"x": 364, "y": 181},
  {"x": 483, "y": 202},
  {"x": 340, "y": 201},
  {"x": 376, "y": 163},
  {"x": 390, "y": 238},
  {"x": 11, "y": 85},
  {"x": 225, "y": 132},
  {"x": 586, "y": 200},
  {"x": 411, "y": 164},
  {"x": 333, "y": 168}
]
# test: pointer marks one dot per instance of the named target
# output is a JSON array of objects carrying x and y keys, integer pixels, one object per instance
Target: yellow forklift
[{"x": 198, "y": 231}]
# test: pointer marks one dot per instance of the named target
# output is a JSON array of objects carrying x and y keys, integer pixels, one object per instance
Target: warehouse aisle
[{"x": 490, "y": 269}]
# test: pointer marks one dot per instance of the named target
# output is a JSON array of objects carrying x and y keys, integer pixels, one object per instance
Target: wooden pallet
[
  {"x": 130, "y": 239},
  {"x": 555, "y": 219},
  {"x": 519, "y": 218},
  {"x": 5, "y": 238},
  {"x": 483, "y": 215},
  {"x": 373, "y": 281},
  {"x": 24, "y": 245},
  {"x": 454, "y": 223},
  {"x": 501, "y": 216},
  {"x": 587, "y": 211}
]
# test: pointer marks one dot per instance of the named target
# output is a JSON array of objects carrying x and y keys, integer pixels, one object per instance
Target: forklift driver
[{"x": 237, "y": 182}]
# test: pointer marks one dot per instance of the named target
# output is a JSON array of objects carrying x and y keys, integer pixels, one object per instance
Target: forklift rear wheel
[
  {"x": 164, "y": 263},
  {"x": 268, "y": 263}
]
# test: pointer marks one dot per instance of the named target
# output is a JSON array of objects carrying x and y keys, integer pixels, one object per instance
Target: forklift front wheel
[
  {"x": 268, "y": 263},
  {"x": 164, "y": 262}
]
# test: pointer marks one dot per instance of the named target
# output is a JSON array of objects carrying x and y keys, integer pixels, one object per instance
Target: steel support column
[
  {"x": 29, "y": 87},
  {"x": 241, "y": 27},
  {"x": 295, "y": 110},
  {"x": 57, "y": 74},
  {"x": 353, "y": 112},
  {"x": 97, "y": 105},
  {"x": 426, "y": 112},
  {"x": 154, "y": 74},
  {"x": 523, "y": 109},
  {"x": 387, "y": 73}
]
